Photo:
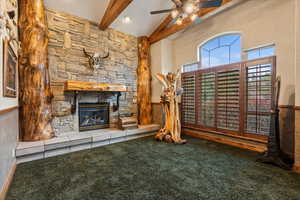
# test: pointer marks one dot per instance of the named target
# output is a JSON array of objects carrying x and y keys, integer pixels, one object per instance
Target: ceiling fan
[{"x": 185, "y": 8}]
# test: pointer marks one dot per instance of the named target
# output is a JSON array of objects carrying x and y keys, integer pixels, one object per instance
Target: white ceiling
[
  {"x": 139, "y": 11},
  {"x": 142, "y": 22}
]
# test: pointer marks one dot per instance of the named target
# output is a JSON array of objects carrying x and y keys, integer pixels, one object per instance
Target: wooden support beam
[
  {"x": 35, "y": 94},
  {"x": 164, "y": 30},
  {"x": 144, "y": 82},
  {"x": 114, "y": 9},
  {"x": 162, "y": 26}
]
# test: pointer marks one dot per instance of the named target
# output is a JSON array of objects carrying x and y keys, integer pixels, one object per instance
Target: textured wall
[
  {"x": 287, "y": 130},
  {"x": 297, "y": 138},
  {"x": 157, "y": 113},
  {"x": 68, "y": 36}
]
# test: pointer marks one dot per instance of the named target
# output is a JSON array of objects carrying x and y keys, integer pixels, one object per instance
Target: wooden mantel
[{"x": 71, "y": 85}]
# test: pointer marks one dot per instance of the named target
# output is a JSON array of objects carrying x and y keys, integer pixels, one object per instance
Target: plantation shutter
[
  {"x": 228, "y": 99},
  {"x": 188, "y": 100},
  {"x": 234, "y": 99},
  {"x": 207, "y": 93},
  {"x": 259, "y": 81}
]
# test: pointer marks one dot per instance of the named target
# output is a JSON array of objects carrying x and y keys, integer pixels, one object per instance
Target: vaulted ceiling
[
  {"x": 111, "y": 13},
  {"x": 138, "y": 10}
]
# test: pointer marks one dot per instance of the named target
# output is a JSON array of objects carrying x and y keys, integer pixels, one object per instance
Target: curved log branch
[{"x": 171, "y": 132}]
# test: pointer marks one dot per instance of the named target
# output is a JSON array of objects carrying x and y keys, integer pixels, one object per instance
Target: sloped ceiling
[{"x": 139, "y": 11}]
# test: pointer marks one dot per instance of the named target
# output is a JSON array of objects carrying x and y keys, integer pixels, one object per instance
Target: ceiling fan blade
[
  {"x": 211, "y": 3},
  {"x": 178, "y": 3},
  {"x": 161, "y": 11}
]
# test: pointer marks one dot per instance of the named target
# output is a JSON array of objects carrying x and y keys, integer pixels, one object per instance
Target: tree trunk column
[
  {"x": 144, "y": 82},
  {"x": 35, "y": 94}
]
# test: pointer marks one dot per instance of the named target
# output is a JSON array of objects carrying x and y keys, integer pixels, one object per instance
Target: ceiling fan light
[
  {"x": 179, "y": 21},
  {"x": 174, "y": 13},
  {"x": 189, "y": 8},
  {"x": 193, "y": 17}
]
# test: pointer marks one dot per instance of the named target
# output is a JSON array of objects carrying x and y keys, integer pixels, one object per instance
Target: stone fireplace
[
  {"x": 68, "y": 35},
  {"x": 93, "y": 116}
]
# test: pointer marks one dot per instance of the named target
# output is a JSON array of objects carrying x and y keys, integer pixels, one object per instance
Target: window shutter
[
  {"x": 228, "y": 99},
  {"x": 188, "y": 100},
  {"x": 259, "y": 97},
  {"x": 207, "y": 93},
  {"x": 234, "y": 99}
]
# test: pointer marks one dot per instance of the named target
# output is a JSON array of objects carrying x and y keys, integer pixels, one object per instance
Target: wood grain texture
[
  {"x": 296, "y": 169},
  {"x": 162, "y": 26},
  {"x": 8, "y": 110},
  {"x": 171, "y": 132},
  {"x": 93, "y": 86},
  {"x": 35, "y": 94},
  {"x": 7, "y": 183},
  {"x": 228, "y": 141},
  {"x": 114, "y": 9},
  {"x": 144, "y": 82}
]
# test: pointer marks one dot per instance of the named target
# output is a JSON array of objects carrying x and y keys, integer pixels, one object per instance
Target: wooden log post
[
  {"x": 144, "y": 82},
  {"x": 35, "y": 94}
]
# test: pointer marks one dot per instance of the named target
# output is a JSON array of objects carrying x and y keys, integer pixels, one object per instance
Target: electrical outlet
[{"x": 13, "y": 153}]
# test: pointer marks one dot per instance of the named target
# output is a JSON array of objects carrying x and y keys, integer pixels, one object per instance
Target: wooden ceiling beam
[
  {"x": 163, "y": 25},
  {"x": 114, "y": 9},
  {"x": 164, "y": 30}
]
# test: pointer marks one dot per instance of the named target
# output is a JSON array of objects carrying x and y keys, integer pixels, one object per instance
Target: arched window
[{"x": 221, "y": 50}]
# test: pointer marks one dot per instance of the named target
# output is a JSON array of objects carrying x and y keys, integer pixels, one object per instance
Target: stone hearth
[{"x": 28, "y": 151}]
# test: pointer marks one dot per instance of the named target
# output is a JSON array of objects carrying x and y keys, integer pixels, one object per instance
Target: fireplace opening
[{"x": 93, "y": 116}]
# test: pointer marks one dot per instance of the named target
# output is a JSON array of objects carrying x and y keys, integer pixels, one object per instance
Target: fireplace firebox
[{"x": 93, "y": 116}]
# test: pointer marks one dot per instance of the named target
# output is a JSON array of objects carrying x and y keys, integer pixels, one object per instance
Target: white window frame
[
  {"x": 216, "y": 36},
  {"x": 260, "y": 47}
]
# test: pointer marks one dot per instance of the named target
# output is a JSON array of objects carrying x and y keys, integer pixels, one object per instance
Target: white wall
[
  {"x": 161, "y": 62},
  {"x": 259, "y": 22},
  {"x": 9, "y": 129},
  {"x": 297, "y": 66}
]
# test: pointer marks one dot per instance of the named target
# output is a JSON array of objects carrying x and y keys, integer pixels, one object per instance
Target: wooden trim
[
  {"x": 296, "y": 169},
  {"x": 8, "y": 110},
  {"x": 114, "y": 9},
  {"x": 8, "y": 181},
  {"x": 297, "y": 107},
  {"x": 287, "y": 106},
  {"x": 228, "y": 141},
  {"x": 263, "y": 140},
  {"x": 290, "y": 107},
  {"x": 156, "y": 103}
]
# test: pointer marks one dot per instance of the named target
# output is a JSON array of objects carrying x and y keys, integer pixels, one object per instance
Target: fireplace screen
[{"x": 93, "y": 116}]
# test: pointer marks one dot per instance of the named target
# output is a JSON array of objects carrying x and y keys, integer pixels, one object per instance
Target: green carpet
[{"x": 145, "y": 169}]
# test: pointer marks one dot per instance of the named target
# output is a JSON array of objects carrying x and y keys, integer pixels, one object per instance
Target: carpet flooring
[{"x": 148, "y": 170}]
